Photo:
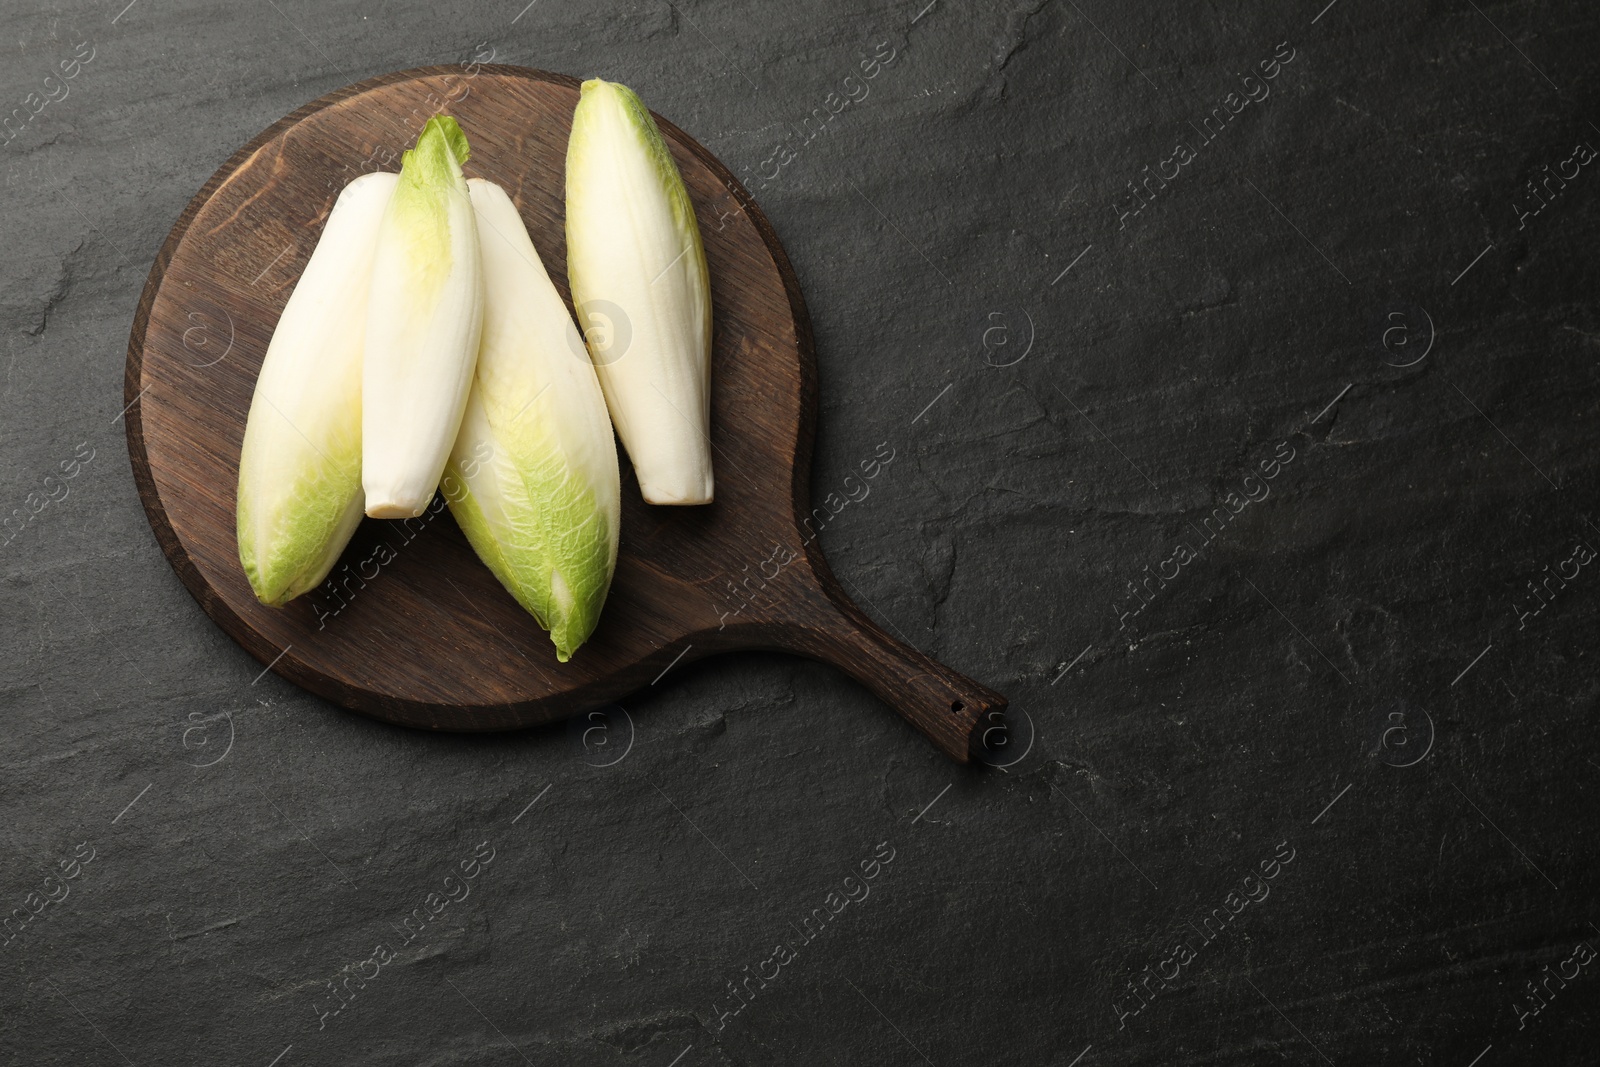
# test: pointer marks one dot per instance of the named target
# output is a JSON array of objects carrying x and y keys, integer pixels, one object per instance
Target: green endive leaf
[
  {"x": 423, "y": 321},
  {"x": 638, "y": 268},
  {"x": 533, "y": 479},
  {"x": 299, "y": 495}
]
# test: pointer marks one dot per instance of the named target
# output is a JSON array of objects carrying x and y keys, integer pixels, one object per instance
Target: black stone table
[{"x": 1239, "y": 366}]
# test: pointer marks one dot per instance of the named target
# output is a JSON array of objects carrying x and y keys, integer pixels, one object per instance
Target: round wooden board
[{"x": 411, "y": 627}]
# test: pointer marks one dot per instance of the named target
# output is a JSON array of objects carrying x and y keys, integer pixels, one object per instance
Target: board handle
[{"x": 947, "y": 707}]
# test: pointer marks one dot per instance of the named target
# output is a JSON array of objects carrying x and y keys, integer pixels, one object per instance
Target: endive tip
[
  {"x": 597, "y": 98},
  {"x": 440, "y": 143},
  {"x": 591, "y": 84},
  {"x": 625, "y": 98}
]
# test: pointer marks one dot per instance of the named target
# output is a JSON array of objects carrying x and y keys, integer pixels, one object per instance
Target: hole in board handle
[{"x": 957, "y": 706}]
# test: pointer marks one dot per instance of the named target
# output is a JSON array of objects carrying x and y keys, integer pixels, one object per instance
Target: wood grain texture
[{"x": 411, "y": 628}]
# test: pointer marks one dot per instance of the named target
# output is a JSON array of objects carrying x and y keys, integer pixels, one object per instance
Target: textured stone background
[{"x": 250, "y": 841}]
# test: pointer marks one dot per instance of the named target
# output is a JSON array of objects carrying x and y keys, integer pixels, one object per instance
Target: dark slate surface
[{"x": 1347, "y": 687}]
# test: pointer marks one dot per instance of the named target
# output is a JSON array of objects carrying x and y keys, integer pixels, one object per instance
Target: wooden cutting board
[{"x": 411, "y": 628}]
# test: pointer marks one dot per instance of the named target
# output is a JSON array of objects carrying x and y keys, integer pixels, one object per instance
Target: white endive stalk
[
  {"x": 299, "y": 497},
  {"x": 423, "y": 321},
  {"x": 636, "y": 265},
  {"x": 533, "y": 478}
]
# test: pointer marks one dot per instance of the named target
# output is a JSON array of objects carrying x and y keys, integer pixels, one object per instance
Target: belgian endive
[
  {"x": 640, "y": 287},
  {"x": 538, "y": 494},
  {"x": 423, "y": 323},
  {"x": 299, "y": 497}
]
